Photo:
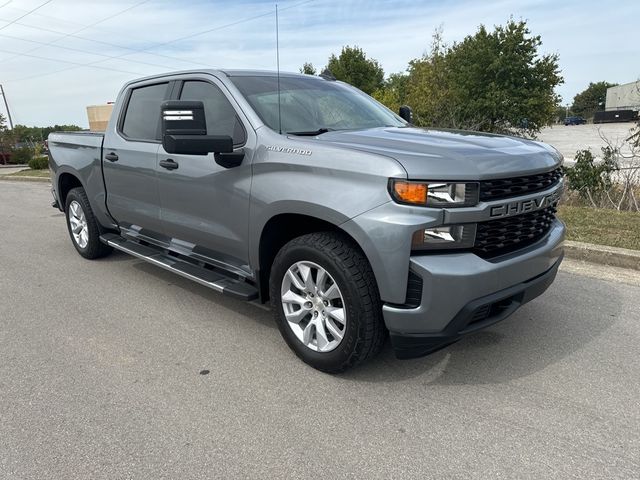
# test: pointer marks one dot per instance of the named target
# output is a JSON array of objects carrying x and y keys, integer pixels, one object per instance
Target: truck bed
[
  {"x": 78, "y": 150},
  {"x": 77, "y": 139},
  {"x": 73, "y": 152}
]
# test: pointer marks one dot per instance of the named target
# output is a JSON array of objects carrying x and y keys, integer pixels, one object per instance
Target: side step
[{"x": 213, "y": 279}]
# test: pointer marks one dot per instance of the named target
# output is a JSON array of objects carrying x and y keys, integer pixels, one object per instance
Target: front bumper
[{"x": 463, "y": 293}]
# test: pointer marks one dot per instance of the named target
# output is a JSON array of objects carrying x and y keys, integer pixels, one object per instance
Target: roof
[
  {"x": 260, "y": 73},
  {"x": 226, "y": 72}
]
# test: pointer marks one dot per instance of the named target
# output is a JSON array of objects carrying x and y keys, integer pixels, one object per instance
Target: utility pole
[{"x": 4, "y": 97}]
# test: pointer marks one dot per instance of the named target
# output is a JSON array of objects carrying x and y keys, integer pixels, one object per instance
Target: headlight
[
  {"x": 444, "y": 237},
  {"x": 434, "y": 194}
]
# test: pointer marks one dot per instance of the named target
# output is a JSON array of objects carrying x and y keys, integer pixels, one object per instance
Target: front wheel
[
  {"x": 83, "y": 227},
  {"x": 326, "y": 301}
]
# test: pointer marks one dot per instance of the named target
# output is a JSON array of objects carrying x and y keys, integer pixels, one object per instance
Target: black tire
[
  {"x": 94, "y": 247},
  {"x": 342, "y": 259}
]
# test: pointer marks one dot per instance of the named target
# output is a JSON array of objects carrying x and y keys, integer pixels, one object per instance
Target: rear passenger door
[
  {"x": 130, "y": 161},
  {"x": 205, "y": 207}
]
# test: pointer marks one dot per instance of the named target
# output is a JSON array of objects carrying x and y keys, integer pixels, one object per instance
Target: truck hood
[{"x": 450, "y": 154}]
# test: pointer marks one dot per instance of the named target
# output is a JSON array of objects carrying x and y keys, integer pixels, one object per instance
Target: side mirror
[
  {"x": 406, "y": 113},
  {"x": 184, "y": 130}
]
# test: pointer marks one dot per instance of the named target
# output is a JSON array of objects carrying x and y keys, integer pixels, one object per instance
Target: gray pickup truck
[{"x": 305, "y": 192}]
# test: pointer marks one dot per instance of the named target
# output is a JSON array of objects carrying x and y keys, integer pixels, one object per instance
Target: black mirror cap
[
  {"x": 183, "y": 117},
  {"x": 406, "y": 113},
  {"x": 197, "y": 144},
  {"x": 184, "y": 130}
]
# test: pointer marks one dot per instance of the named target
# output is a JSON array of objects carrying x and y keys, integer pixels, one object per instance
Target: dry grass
[
  {"x": 602, "y": 226},
  {"x": 31, "y": 173}
]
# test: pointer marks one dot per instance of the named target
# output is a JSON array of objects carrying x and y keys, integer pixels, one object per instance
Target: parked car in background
[{"x": 574, "y": 121}]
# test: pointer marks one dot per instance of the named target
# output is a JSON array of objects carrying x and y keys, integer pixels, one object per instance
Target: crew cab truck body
[{"x": 351, "y": 221}]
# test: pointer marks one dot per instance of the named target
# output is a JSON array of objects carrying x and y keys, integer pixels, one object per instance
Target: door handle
[
  {"x": 112, "y": 157},
  {"x": 168, "y": 164}
]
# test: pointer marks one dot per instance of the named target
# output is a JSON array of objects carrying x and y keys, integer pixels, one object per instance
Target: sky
[{"x": 58, "y": 56}]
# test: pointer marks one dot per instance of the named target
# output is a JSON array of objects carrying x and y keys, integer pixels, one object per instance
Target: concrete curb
[
  {"x": 18, "y": 178},
  {"x": 602, "y": 254},
  {"x": 23, "y": 165}
]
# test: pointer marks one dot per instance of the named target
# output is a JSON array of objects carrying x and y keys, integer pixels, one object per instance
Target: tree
[
  {"x": 353, "y": 66},
  {"x": 492, "y": 81},
  {"x": 591, "y": 99},
  {"x": 560, "y": 113},
  {"x": 308, "y": 68},
  {"x": 429, "y": 89},
  {"x": 393, "y": 93},
  {"x": 33, "y": 135},
  {"x": 6, "y": 140}
]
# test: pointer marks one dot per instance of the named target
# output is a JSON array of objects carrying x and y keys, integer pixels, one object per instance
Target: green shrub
[
  {"x": 22, "y": 155},
  {"x": 39, "y": 163},
  {"x": 590, "y": 178}
]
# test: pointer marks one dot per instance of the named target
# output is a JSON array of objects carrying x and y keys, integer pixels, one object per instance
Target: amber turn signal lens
[{"x": 410, "y": 192}]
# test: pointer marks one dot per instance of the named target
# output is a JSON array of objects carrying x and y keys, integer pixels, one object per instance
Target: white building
[{"x": 623, "y": 97}]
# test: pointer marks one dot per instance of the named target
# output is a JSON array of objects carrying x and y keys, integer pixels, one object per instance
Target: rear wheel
[
  {"x": 326, "y": 302},
  {"x": 83, "y": 227}
]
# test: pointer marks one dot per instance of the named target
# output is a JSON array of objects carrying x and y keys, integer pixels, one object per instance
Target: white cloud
[{"x": 593, "y": 41}]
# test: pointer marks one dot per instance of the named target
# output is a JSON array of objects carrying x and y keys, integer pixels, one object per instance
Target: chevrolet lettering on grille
[{"x": 509, "y": 209}]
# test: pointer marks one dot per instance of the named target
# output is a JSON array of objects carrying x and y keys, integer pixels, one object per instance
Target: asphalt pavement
[
  {"x": 568, "y": 139},
  {"x": 115, "y": 369}
]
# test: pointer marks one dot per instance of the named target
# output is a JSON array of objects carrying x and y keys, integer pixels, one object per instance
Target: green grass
[
  {"x": 31, "y": 173},
  {"x": 602, "y": 226}
]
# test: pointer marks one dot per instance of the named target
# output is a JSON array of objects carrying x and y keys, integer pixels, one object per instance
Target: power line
[
  {"x": 49, "y": 44},
  {"x": 5, "y": 4},
  {"x": 101, "y": 42},
  {"x": 85, "y": 27},
  {"x": 48, "y": 17},
  {"x": 78, "y": 64},
  {"x": 26, "y": 14},
  {"x": 142, "y": 50},
  {"x": 210, "y": 30},
  {"x": 203, "y": 32}
]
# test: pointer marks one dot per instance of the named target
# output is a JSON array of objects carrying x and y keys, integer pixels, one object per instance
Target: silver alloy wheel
[
  {"x": 78, "y": 223},
  {"x": 313, "y": 306}
]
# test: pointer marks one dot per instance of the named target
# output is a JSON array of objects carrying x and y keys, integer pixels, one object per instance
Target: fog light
[{"x": 445, "y": 237}]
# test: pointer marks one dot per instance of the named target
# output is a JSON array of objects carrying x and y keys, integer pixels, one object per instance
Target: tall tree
[
  {"x": 353, "y": 66},
  {"x": 429, "y": 89},
  {"x": 591, "y": 99},
  {"x": 493, "y": 81}
]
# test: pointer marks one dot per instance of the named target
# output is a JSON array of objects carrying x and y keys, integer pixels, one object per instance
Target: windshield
[{"x": 313, "y": 104}]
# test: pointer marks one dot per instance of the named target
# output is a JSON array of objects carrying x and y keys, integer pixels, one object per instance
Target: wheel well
[
  {"x": 66, "y": 182},
  {"x": 277, "y": 232}
]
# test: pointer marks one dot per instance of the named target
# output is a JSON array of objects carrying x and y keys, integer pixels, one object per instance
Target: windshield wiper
[{"x": 311, "y": 133}]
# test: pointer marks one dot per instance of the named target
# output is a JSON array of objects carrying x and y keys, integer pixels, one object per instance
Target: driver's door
[{"x": 204, "y": 206}]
